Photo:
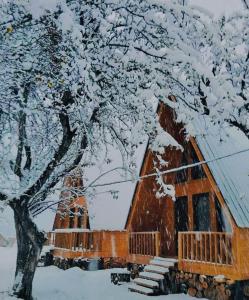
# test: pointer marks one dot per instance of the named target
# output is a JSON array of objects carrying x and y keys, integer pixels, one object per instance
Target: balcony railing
[
  {"x": 144, "y": 243},
  {"x": 206, "y": 247},
  {"x": 79, "y": 241}
]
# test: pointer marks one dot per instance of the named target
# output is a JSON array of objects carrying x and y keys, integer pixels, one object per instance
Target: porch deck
[
  {"x": 134, "y": 247},
  {"x": 208, "y": 253}
]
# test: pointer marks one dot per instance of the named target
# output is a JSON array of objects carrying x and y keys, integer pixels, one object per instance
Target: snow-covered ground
[{"x": 51, "y": 283}]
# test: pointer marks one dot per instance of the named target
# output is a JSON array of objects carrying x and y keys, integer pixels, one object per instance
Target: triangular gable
[{"x": 230, "y": 174}]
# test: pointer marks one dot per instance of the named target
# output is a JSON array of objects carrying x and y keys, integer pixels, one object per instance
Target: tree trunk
[{"x": 29, "y": 245}]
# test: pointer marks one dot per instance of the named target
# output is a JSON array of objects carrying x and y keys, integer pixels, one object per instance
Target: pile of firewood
[{"x": 201, "y": 286}]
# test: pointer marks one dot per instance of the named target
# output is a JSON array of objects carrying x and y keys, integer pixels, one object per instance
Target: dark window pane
[
  {"x": 222, "y": 222},
  {"x": 196, "y": 172},
  {"x": 201, "y": 207},
  {"x": 71, "y": 218},
  {"x": 181, "y": 217},
  {"x": 182, "y": 175},
  {"x": 87, "y": 223},
  {"x": 181, "y": 213}
]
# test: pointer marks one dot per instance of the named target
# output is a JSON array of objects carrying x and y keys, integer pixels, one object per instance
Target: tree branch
[
  {"x": 22, "y": 137},
  {"x": 245, "y": 3},
  {"x": 42, "y": 196},
  {"x": 64, "y": 146}
]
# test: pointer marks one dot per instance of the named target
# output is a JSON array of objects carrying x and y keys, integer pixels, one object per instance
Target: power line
[
  {"x": 149, "y": 175},
  {"x": 171, "y": 170}
]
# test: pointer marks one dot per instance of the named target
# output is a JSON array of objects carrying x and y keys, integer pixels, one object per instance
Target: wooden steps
[
  {"x": 162, "y": 263},
  {"x": 147, "y": 283},
  {"x": 152, "y": 280},
  {"x": 151, "y": 276},
  {"x": 141, "y": 290},
  {"x": 174, "y": 260},
  {"x": 156, "y": 269}
]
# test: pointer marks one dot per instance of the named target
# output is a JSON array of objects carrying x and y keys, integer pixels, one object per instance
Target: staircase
[{"x": 152, "y": 280}]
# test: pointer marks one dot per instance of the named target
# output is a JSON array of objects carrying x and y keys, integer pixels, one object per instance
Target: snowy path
[{"x": 52, "y": 283}]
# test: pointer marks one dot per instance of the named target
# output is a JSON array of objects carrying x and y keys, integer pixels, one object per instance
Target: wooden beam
[
  {"x": 213, "y": 212},
  {"x": 190, "y": 213}
]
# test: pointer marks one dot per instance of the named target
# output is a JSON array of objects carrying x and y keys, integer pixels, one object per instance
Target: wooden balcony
[
  {"x": 143, "y": 246},
  {"x": 137, "y": 247},
  {"x": 207, "y": 247},
  {"x": 209, "y": 253}
]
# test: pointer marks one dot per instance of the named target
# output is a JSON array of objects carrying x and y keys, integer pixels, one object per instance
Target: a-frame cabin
[
  {"x": 206, "y": 226},
  {"x": 72, "y": 210}
]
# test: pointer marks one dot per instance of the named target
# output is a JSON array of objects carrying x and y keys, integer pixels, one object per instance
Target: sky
[
  {"x": 105, "y": 211},
  {"x": 219, "y": 7}
]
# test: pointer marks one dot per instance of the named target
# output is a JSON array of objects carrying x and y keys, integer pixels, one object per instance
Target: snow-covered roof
[{"x": 231, "y": 173}]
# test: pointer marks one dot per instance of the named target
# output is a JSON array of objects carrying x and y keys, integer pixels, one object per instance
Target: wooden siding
[{"x": 147, "y": 212}]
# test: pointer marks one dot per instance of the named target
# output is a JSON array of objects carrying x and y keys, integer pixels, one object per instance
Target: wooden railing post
[
  {"x": 215, "y": 249},
  {"x": 157, "y": 243},
  {"x": 180, "y": 245}
]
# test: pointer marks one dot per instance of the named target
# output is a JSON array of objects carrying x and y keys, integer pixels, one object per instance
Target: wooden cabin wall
[
  {"x": 241, "y": 249},
  {"x": 149, "y": 212}
]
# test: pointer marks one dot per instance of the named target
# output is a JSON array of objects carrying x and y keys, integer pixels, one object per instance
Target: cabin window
[
  {"x": 181, "y": 213},
  {"x": 87, "y": 223},
  {"x": 221, "y": 219},
  {"x": 196, "y": 172},
  {"x": 80, "y": 217},
  {"x": 182, "y": 175},
  {"x": 181, "y": 217},
  {"x": 201, "y": 208},
  {"x": 71, "y": 217}
]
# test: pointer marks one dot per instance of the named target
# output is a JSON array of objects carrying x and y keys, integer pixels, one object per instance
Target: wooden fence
[
  {"x": 79, "y": 241},
  {"x": 122, "y": 244},
  {"x": 75, "y": 243},
  {"x": 144, "y": 243}
]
